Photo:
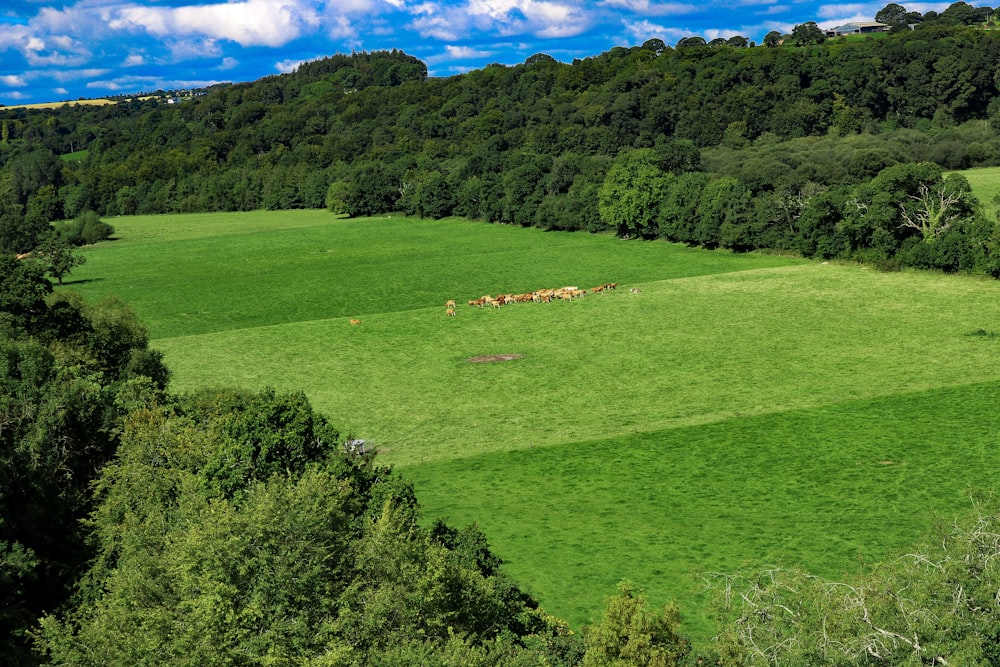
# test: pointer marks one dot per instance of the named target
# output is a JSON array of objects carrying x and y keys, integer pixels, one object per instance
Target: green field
[
  {"x": 739, "y": 409},
  {"x": 985, "y": 182}
]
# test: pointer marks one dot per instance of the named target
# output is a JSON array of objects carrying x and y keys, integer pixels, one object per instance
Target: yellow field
[{"x": 56, "y": 105}]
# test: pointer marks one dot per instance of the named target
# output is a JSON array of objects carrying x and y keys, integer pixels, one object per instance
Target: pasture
[
  {"x": 737, "y": 410},
  {"x": 985, "y": 182}
]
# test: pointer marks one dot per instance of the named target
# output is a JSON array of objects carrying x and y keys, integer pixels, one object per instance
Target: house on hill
[{"x": 857, "y": 28}]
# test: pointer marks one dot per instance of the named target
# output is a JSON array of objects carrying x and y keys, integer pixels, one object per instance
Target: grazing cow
[
  {"x": 634, "y": 290},
  {"x": 611, "y": 286},
  {"x": 595, "y": 290},
  {"x": 450, "y": 312},
  {"x": 450, "y": 303},
  {"x": 355, "y": 321}
]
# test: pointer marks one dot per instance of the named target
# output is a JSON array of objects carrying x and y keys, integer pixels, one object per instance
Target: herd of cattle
[{"x": 538, "y": 296}]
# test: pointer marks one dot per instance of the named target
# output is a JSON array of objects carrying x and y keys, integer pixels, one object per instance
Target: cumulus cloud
[
  {"x": 248, "y": 23},
  {"x": 538, "y": 17},
  {"x": 441, "y": 27},
  {"x": 13, "y": 81}
]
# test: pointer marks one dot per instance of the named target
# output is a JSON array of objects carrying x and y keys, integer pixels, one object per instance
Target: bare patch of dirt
[{"x": 491, "y": 358}]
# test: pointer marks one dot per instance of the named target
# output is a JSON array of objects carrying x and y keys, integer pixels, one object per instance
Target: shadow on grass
[{"x": 81, "y": 281}]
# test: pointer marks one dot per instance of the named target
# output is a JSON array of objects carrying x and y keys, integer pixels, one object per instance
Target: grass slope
[
  {"x": 740, "y": 409},
  {"x": 985, "y": 182}
]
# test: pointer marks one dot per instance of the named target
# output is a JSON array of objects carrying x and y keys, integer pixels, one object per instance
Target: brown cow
[
  {"x": 450, "y": 303},
  {"x": 355, "y": 321},
  {"x": 450, "y": 312}
]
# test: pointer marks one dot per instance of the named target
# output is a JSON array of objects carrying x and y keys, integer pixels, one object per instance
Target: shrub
[{"x": 86, "y": 229}]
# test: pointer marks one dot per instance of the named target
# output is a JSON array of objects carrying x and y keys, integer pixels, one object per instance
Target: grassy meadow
[
  {"x": 985, "y": 182},
  {"x": 737, "y": 410}
]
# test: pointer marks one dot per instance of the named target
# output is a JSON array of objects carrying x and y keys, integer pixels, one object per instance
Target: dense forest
[{"x": 142, "y": 528}]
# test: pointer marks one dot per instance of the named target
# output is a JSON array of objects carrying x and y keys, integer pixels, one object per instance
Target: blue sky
[{"x": 53, "y": 51}]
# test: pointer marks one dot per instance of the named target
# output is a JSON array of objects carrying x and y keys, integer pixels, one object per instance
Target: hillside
[{"x": 794, "y": 128}]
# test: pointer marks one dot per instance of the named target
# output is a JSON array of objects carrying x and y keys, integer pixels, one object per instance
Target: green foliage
[
  {"x": 62, "y": 395},
  {"x": 86, "y": 229},
  {"x": 317, "y": 558},
  {"x": 58, "y": 257},
  {"x": 630, "y": 195},
  {"x": 933, "y": 605},
  {"x": 630, "y": 634},
  {"x": 807, "y": 33},
  {"x": 23, "y": 289},
  {"x": 260, "y": 436},
  {"x": 371, "y": 188},
  {"x": 361, "y": 133}
]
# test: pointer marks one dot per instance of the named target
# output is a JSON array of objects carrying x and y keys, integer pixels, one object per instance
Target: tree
[
  {"x": 234, "y": 528},
  {"x": 632, "y": 635},
  {"x": 372, "y": 188},
  {"x": 433, "y": 196},
  {"x": 807, "y": 33},
  {"x": 688, "y": 42},
  {"x": 892, "y": 14},
  {"x": 934, "y": 605},
  {"x": 85, "y": 229},
  {"x": 933, "y": 213},
  {"x": 679, "y": 210},
  {"x": 61, "y": 400},
  {"x": 772, "y": 39},
  {"x": 630, "y": 196},
  {"x": 58, "y": 257}
]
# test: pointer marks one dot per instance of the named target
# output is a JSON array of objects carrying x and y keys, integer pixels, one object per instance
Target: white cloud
[
  {"x": 193, "y": 49},
  {"x": 539, "y": 17},
  {"x": 341, "y": 28},
  {"x": 286, "y": 66},
  {"x": 723, "y": 33},
  {"x": 452, "y": 53},
  {"x": 459, "y": 52},
  {"x": 13, "y": 81},
  {"x": 228, "y": 63},
  {"x": 137, "y": 84},
  {"x": 75, "y": 74},
  {"x": 441, "y": 27},
  {"x": 852, "y": 9},
  {"x": 640, "y": 31},
  {"x": 647, "y": 8},
  {"x": 248, "y": 23},
  {"x": 134, "y": 60}
]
